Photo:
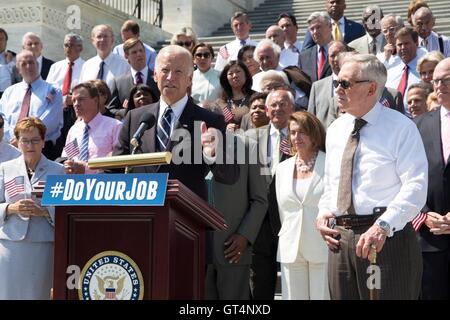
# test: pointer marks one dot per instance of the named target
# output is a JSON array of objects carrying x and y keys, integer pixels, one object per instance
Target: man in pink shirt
[{"x": 93, "y": 135}]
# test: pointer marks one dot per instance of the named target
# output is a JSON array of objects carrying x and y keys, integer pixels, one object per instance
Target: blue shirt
[{"x": 45, "y": 104}]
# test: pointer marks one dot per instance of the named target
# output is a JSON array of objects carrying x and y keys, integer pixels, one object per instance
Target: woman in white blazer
[
  {"x": 299, "y": 184},
  {"x": 26, "y": 228}
]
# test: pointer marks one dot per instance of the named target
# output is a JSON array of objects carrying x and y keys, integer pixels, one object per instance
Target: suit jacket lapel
[
  {"x": 318, "y": 167},
  {"x": 40, "y": 170},
  {"x": 149, "y": 137},
  {"x": 435, "y": 135}
]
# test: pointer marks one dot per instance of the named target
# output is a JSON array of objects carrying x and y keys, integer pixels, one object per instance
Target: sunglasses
[
  {"x": 184, "y": 43},
  {"x": 205, "y": 55},
  {"x": 345, "y": 84}
]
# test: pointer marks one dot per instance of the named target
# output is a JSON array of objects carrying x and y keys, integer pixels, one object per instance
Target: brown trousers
[{"x": 400, "y": 263}]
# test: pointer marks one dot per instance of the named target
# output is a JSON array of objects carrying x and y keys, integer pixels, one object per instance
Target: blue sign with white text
[{"x": 106, "y": 189}]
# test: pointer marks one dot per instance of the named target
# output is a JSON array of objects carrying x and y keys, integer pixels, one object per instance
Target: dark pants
[
  {"x": 400, "y": 263},
  {"x": 229, "y": 282},
  {"x": 436, "y": 279},
  {"x": 264, "y": 264}
]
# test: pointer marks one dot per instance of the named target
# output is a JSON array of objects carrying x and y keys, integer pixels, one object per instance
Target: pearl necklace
[{"x": 305, "y": 167}]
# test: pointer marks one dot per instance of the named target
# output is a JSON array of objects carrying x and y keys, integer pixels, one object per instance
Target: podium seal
[{"x": 111, "y": 275}]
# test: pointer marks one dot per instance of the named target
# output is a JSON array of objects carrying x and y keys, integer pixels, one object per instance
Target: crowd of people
[{"x": 350, "y": 128}]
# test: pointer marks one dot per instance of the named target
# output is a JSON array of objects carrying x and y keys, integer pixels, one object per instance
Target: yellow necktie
[{"x": 337, "y": 35}]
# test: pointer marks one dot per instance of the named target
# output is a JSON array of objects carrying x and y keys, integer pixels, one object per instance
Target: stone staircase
[{"x": 266, "y": 14}]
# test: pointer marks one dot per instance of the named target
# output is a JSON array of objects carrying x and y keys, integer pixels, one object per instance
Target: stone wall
[
  {"x": 204, "y": 16},
  {"x": 52, "y": 19}
]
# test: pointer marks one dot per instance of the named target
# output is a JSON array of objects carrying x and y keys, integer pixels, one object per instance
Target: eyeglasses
[
  {"x": 444, "y": 82},
  {"x": 184, "y": 43},
  {"x": 389, "y": 30},
  {"x": 69, "y": 45},
  {"x": 33, "y": 141},
  {"x": 205, "y": 55},
  {"x": 345, "y": 84}
]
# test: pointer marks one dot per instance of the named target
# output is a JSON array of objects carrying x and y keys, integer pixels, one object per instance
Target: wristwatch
[{"x": 385, "y": 226}]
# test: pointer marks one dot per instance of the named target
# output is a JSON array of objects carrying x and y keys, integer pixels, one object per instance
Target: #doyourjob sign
[{"x": 106, "y": 189}]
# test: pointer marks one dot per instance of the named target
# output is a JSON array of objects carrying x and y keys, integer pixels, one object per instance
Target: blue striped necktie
[
  {"x": 163, "y": 131},
  {"x": 84, "y": 152}
]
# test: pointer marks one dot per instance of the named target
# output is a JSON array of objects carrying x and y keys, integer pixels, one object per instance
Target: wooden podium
[{"x": 167, "y": 243}]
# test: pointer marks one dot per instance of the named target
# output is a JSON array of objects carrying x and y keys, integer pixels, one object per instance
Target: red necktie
[
  {"x": 321, "y": 62},
  {"x": 25, "y": 104},
  {"x": 67, "y": 80},
  {"x": 403, "y": 81}
]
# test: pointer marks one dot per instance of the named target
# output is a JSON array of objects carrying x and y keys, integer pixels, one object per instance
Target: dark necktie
[
  {"x": 321, "y": 62},
  {"x": 344, "y": 198},
  {"x": 242, "y": 43},
  {"x": 67, "y": 79},
  {"x": 101, "y": 70},
  {"x": 84, "y": 154},
  {"x": 163, "y": 130},
  {"x": 139, "y": 79},
  {"x": 403, "y": 81},
  {"x": 25, "y": 104},
  {"x": 373, "y": 47}
]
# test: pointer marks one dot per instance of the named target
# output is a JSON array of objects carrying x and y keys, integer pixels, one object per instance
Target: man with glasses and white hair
[
  {"x": 375, "y": 184},
  {"x": 423, "y": 22},
  {"x": 106, "y": 65},
  {"x": 390, "y": 24},
  {"x": 434, "y": 221}
]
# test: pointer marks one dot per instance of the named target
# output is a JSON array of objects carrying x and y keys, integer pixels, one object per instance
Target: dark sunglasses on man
[{"x": 345, "y": 84}]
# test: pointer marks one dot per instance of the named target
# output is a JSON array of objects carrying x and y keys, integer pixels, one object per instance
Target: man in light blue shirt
[{"x": 33, "y": 97}]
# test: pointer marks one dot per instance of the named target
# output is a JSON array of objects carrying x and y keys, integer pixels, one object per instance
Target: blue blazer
[{"x": 352, "y": 30}]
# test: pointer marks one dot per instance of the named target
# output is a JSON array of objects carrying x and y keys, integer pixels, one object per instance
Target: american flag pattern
[
  {"x": 224, "y": 52},
  {"x": 51, "y": 95},
  {"x": 227, "y": 114},
  {"x": 385, "y": 103},
  {"x": 15, "y": 186},
  {"x": 419, "y": 220},
  {"x": 72, "y": 149},
  {"x": 285, "y": 146}
]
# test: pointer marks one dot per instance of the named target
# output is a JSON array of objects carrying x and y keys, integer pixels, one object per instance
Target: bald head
[
  {"x": 442, "y": 90},
  {"x": 276, "y": 34},
  {"x": 27, "y": 66}
]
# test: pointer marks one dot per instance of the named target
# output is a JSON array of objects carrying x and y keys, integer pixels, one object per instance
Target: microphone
[{"x": 146, "y": 122}]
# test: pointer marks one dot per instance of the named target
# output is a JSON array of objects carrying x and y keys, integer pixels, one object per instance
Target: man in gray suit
[
  {"x": 280, "y": 105},
  {"x": 321, "y": 102},
  {"x": 139, "y": 73},
  {"x": 243, "y": 205},
  {"x": 373, "y": 41}
]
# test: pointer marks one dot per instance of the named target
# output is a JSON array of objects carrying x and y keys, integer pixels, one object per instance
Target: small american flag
[
  {"x": 419, "y": 220},
  {"x": 51, "y": 95},
  {"x": 285, "y": 146},
  {"x": 125, "y": 104},
  {"x": 72, "y": 149},
  {"x": 15, "y": 186},
  {"x": 224, "y": 52},
  {"x": 227, "y": 114},
  {"x": 385, "y": 103}
]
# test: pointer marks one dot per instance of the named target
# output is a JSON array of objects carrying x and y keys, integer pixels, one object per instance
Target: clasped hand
[{"x": 27, "y": 208}]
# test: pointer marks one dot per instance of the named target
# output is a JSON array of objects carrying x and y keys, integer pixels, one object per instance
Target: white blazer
[
  {"x": 298, "y": 232},
  {"x": 16, "y": 228}
]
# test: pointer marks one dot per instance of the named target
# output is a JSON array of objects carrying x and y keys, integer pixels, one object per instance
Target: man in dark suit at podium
[{"x": 177, "y": 117}]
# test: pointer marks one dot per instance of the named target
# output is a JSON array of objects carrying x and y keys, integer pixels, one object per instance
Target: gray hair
[
  {"x": 397, "y": 19},
  {"x": 176, "y": 50},
  {"x": 266, "y": 42},
  {"x": 370, "y": 68},
  {"x": 274, "y": 74},
  {"x": 185, "y": 31},
  {"x": 78, "y": 39},
  {"x": 29, "y": 35},
  {"x": 289, "y": 93},
  {"x": 319, "y": 15}
]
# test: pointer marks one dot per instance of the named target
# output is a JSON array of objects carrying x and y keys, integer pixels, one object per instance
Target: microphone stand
[{"x": 136, "y": 146}]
